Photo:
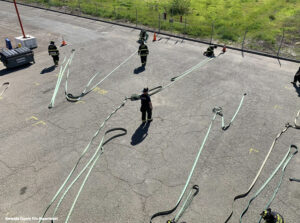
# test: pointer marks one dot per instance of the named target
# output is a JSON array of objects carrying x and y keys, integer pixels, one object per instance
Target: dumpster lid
[{"x": 14, "y": 52}]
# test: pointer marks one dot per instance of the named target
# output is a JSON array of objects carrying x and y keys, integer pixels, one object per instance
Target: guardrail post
[
  {"x": 280, "y": 43},
  {"x": 158, "y": 22},
  {"x": 280, "y": 46},
  {"x": 79, "y": 7},
  {"x": 136, "y": 17},
  {"x": 184, "y": 26},
  {"x": 66, "y": 8},
  {"x": 171, "y": 22},
  {"x": 244, "y": 42},
  {"x": 212, "y": 32}
]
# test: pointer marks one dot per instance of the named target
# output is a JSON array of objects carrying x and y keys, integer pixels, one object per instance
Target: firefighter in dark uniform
[
  {"x": 143, "y": 36},
  {"x": 143, "y": 52},
  {"x": 296, "y": 77},
  {"x": 210, "y": 51},
  {"x": 271, "y": 217},
  {"x": 146, "y": 106},
  {"x": 53, "y": 51}
]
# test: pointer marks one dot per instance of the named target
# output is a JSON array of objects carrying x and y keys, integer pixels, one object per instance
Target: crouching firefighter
[
  {"x": 271, "y": 217},
  {"x": 53, "y": 51},
  {"x": 143, "y": 36},
  {"x": 143, "y": 52},
  {"x": 146, "y": 106},
  {"x": 210, "y": 51}
]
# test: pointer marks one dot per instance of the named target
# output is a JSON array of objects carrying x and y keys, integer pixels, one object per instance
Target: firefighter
[
  {"x": 210, "y": 51},
  {"x": 296, "y": 77},
  {"x": 146, "y": 106},
  {"x": 143, "y": 52},
  {"x": 53, "y": 51},
  {"x": 271, "y": 217},
  {"x": 143, "y": 36}
]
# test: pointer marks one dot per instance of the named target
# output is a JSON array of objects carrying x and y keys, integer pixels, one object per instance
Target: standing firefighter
[
  {"x": 146, "y": 106},
  {"x": 296, "y": 77},
  {"x": 210, "y": 51},
  {"x": 143, "y": 52},
  {"x": 271, "y": 217},
  {"x": 53, "y": 51},
  {"x": 143, "y": 36}
]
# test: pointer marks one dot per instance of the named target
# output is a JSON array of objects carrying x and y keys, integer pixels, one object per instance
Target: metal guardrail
[{"x": 135, "y": 26}]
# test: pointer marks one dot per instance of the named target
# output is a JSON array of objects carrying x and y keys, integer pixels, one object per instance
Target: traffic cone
[
  {"x": 64, "y": 43},
  {"x": 224, "y": 48},
  {"x": 154, "y": 37}
]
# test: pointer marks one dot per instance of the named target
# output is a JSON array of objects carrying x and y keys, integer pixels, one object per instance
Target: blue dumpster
[{"x": 8, "y": 44}]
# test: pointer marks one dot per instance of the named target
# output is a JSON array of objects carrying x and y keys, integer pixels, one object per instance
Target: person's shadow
[
  {"x": 140, "y": 134},
  {"x": 297, "y": 89},
  {"x": 139, "y": 70},
  {"x": 48, "y": 69}
]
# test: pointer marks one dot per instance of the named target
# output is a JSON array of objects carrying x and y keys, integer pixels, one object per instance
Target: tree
[{"x": 180, "y": 6}]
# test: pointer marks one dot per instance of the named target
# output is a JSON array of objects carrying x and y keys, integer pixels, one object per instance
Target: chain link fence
[{"x": 156, "y": 19}]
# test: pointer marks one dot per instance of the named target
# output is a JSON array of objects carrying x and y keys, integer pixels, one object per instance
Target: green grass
[{"x": 264, "y": 19}]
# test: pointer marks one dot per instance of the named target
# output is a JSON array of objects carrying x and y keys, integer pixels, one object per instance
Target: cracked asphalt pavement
[{"x": 143, "y": 172}]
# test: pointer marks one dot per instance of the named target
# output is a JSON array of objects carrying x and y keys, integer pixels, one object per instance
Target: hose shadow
[{"x": 140, "y": 134}]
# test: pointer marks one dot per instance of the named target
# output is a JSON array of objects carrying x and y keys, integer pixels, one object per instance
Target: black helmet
[
  {"x": 266, "y": 213},
  {"x": 51, "y": 42},
  {"x": 145, "y": 90}
]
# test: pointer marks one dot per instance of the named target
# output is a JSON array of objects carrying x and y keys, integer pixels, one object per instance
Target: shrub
[
  {"x": 180, "y": 7},
  {"x": 272, "y": 17}
]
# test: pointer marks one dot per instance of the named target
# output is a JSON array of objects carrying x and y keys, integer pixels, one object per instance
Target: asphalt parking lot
[{"x": 144, "y": 171}]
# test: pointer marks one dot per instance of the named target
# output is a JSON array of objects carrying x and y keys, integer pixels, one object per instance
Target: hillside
[{"x": 263, "y": 19}]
